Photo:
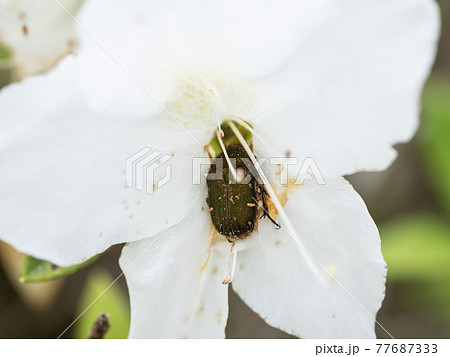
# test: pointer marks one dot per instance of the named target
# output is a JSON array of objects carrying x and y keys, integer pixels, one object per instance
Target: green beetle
[{"x": 235, "y": 207}]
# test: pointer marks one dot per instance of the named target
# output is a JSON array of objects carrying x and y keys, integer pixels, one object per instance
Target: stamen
[
  {"x": 231, "y": 265},
  {"x": 221, "y": 133},
  {"x": 230, "y": 165},
  {"x": 254, "y": 132},
  {"x": 279, "y": 207}
]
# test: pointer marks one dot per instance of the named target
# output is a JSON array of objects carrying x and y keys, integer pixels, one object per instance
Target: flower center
[{"x": 197, "y": 98}]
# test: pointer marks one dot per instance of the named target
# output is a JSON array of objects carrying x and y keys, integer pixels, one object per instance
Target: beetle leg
[{"x": 266, "y": 207}]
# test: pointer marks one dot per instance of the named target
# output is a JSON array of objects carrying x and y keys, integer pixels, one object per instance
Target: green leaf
[
  {"x": 417, "y": 248},
  {"x": 6, "y": 66},
  {"x": 113, "y": 302},
  {"x": 434, "y": 137},
  {"x": 37, "y": 270},
  {"x": 5, "y": 52}
]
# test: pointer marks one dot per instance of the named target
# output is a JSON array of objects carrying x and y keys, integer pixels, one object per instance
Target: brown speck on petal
[
  {"x": 219, "y": 317},
  {"x": 200, "y": 310},
  {"x": 131, "y": 216},
  {"x": 71, "y": 44},
  {"x": 25, "y": 30},
  {"x": 278, "y": 170}
]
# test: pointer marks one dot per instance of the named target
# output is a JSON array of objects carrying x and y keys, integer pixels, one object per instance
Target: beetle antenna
[
  {"x": 289, "y": 228},
  {"x": 232, "y": 260}
]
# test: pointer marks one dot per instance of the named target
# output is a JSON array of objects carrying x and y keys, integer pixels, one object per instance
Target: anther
[{"x": 231, "y": 265}]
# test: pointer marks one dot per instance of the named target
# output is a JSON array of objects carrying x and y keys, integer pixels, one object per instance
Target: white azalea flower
[
  {"x": 338, "y": 81},
  {"x": 40, "y": 33}
]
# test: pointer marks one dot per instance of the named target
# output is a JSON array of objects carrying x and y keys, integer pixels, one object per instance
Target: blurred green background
[{"x": 410, "y": 202}]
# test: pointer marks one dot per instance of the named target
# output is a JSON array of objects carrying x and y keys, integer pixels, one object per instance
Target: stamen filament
[
  {"x": 230, "y": 165},
  {"x": 290, "y": 229},
  {"x": 253, "y": 131},
  {"x": 221, "y": 133},
  {"x": 232, "y": 260}
]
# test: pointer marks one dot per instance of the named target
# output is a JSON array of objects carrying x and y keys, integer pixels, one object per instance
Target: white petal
[
  {"x": 336, "y": 229},
  {"x": 63, "y": 185},
  {"x": 39, "y": 33},
  {"x": 358, "y": 80},
  {"x": 171, "y": 295},
  {"x": 155, "y": 38},
  {"x": 44, "y": 95}
]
